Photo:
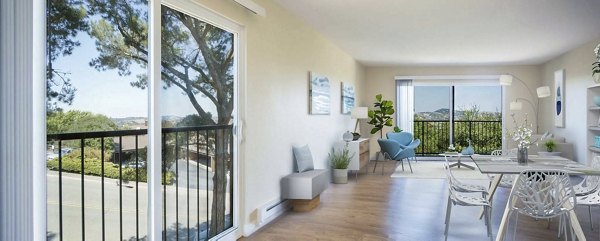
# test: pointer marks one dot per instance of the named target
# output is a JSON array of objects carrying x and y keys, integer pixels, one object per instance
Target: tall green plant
[
  {"x": 341, "y": 159},
  {"x": 381, "y": 117}
]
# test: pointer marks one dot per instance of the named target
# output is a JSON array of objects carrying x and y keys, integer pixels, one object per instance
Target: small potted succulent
[{"x": 550, "y": 147}]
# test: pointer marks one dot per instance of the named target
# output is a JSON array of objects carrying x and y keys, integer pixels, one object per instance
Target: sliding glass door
[
  {"x": 459, "y": 115},
  {"x": 99, "y": 143}
]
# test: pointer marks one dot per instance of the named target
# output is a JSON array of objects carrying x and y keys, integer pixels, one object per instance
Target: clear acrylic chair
[
  {"x": 542, "y": 194},
  {"x": 455, "y": 197}
]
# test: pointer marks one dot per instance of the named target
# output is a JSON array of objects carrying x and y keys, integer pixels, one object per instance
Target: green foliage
[
  {"x": 93, "y": 167},
  {"x": 341, "y": 159},
  {"x": 64, "y": 19},
  {"x": 596, "y": 68},
  {"x": 196, "y": 120},
  {"x": 397, "y": 129},
  {"x": 550, "y": 145},
  {"x": 80, "y": 121},
  {"x": 381, "y": 117}
]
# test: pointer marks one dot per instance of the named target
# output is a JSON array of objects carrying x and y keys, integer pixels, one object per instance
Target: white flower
[{"x": 597, "y": 51}]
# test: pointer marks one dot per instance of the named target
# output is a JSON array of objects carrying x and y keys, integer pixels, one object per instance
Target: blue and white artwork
[
  {"x": 319, "y": 94},
  {"x": 347, "y": 98},
  {"x": 559, "y": 98}
]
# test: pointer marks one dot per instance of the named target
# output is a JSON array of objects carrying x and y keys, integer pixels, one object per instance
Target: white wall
[
  {"x": 577, "y": 64},
  {"x": 281, "y": 50},
  {"x": 380, "y": 80}
]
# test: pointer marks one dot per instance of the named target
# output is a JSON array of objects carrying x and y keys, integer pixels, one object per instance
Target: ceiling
[{"x": 452, "y": 32}]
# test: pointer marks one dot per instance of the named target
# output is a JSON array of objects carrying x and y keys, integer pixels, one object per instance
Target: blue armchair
[
  {"x": 406, "y": 140},
  {"x": 395, "y": 151}
]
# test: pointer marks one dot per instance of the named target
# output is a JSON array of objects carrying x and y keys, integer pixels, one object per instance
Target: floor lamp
[
  {"x": 359, "y": 113},
  {"x": 542, "y": 92}
]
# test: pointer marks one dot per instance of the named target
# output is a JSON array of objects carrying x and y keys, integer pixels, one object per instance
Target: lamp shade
[
  {"x": 543, "y": 92},
  {"x": 360, "y": 113},
  {"x": 505, "y": 79},
  {"x": 515, "y": 105}
]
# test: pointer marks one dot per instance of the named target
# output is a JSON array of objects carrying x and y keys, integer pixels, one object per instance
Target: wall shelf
[
  {"x": 594, "y": 128},
  {"x": 594, "y": 108}
]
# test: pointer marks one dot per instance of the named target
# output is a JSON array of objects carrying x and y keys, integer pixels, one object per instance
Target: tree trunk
[{"x": 219, "y": 200}]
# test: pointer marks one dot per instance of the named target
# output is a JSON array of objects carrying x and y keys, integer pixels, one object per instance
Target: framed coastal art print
[
  {"x": 347, "y": 98},
  {"x": 319, "y": 94},
  {"x": 559, "y": 98}
]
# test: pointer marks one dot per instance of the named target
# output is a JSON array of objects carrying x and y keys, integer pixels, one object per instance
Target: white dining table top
[{"x": 488, "y": 164}]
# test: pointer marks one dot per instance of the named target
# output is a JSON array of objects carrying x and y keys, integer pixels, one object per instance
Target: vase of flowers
[
  {"x": 596, "y": 65},
  {"x": 522, "y": 136}
]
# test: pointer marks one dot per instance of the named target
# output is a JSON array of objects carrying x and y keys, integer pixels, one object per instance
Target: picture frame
[
  {"x": 348, "y": 98},
  {"x": 559, "y": 98},
  {"x": 319, "y": 94}
]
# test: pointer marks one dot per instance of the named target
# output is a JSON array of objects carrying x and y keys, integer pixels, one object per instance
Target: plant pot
[{"x": 340, "y": 176}]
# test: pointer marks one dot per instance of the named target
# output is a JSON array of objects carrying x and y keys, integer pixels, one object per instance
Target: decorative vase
[
  {"x": 340, "y": 176},
  {"x": 355, "y": 136},
  {"x": 522, "y": 155},
  {"x": 596, "y": 78},
  {"x": 347, "y": 136}
]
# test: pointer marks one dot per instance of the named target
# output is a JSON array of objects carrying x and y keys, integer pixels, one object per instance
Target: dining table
[{"x": 503, "y": 165}]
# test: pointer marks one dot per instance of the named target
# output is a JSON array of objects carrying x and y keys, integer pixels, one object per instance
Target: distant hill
[{"x": 444, "y": 114}]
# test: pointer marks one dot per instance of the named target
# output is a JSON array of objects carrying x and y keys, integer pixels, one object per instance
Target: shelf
[
  {"x": 594, "y": 86},
  {"x": 594, "y": 108},
  {"x": 594, "y": 128},
  {"x": 594, "y": 149}
]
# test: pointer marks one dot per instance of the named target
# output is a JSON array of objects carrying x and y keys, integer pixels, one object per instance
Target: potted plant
[
  {"x": 550, "y": 147},
  {"x": 381, "y": 117},
  {"x": 339, "y": 162}
]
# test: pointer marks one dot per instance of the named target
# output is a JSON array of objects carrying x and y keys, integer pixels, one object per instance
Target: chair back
[
  {"x": 594, "y": 180},
  {"x": 404, "y": 138},
  {"x": 542, "y": 193},
  {"x": 390, "y": 147}
]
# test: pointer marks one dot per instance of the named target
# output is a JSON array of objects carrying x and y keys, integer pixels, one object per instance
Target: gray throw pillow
[{"x": 304, "y": 161}]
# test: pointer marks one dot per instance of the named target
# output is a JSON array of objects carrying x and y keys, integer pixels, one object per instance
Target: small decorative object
[
  {"x": 355, "y": 136},
  {"x": 319, "y": 94},
  {"x": 347, "y": 98},
  {"x": 381, "y": 117},
  {"x": 469, "y": 150},
  {"x": 597, "y": 99},
  {"x": 596, "y": 65},
  {"x": 559, "y": 93},
  {"x": 451, "y": 148},
  {"x": 550, "y": 145},
  {"x": 397, "y": 129},
  {"x": 339, "y": 161},
  {"x": 348, "y": 136}
]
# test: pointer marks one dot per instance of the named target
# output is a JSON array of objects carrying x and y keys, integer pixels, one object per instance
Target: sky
[
  {"x": 107, "y": 93},
  {"x": 432, "y": 98}
]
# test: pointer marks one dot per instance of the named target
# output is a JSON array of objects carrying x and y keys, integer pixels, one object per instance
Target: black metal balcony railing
[
  {"x": 485, "y": 136},
  {"x": 119, "y": 157}
]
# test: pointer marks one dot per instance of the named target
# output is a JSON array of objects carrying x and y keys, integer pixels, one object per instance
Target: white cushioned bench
[{"x": 304, "y": 188}]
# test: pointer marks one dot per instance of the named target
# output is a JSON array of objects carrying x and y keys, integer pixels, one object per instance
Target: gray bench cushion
[{"x": 304, "y": 185}]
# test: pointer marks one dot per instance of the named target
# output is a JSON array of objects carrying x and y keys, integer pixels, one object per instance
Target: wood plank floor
[{"x": 378, "y": 207}]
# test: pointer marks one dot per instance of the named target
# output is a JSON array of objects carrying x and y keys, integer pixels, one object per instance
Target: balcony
[
  {"x": 108, "y": 199},
  {"x": 485, "y": 136}
]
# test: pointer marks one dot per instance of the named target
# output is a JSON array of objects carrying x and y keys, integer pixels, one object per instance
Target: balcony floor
[{"x": 383, "y": 208}]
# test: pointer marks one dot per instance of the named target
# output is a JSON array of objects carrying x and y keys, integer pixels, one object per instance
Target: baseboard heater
[{"x": 272, "y": 210}]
